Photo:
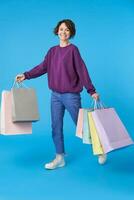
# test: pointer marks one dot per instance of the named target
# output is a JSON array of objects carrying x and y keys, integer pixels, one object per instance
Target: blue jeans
[{"x": 59, "y": 102}]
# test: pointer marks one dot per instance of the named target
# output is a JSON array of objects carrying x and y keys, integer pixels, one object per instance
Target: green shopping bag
[{"x": 86, "y": 130}]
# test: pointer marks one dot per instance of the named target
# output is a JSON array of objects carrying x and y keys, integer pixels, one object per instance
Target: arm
[
  {"x": 35, "y": 72},
  {"x": 83, "y": 73},
  {"x": 38, "y": 70}
]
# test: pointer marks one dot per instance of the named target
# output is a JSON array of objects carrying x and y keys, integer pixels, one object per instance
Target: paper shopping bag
[
  {"x": 96, "y": 144},
  {"x": 24, "y": 105},
  {"x": 79, "y": 127},
  {"x": 111, "y": 130},
  {"x": 86, "y": 130},
  {"x": 7, "y": 127}
]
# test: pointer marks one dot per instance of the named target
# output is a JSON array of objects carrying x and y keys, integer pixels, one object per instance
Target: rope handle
[{"x": 18, "y": 85}]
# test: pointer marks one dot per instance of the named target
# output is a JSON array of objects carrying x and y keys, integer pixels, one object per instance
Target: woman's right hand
[{"x": 19, "y": 78}]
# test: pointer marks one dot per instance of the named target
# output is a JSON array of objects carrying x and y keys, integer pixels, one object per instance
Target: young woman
[{"x": 67, "y": 74}]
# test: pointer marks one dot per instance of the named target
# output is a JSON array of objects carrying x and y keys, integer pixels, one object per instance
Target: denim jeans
[{"x": 59, "y": 102}]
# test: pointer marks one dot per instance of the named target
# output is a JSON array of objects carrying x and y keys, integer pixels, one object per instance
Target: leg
[
  {"x": 57, "y": 114},
  {"x": 72, "y": 102}
]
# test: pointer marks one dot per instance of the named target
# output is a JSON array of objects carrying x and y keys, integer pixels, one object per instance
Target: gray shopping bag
[{"x": 24, "y": 105}]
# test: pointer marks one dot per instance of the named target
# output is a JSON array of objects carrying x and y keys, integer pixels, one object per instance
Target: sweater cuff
[
  {"x": 91, "y": 92},
  {"x": 26, "y": 75}
]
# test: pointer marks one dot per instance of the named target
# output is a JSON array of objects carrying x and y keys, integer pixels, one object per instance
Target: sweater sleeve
[
  {"x": 38, "y": 70},
  {"x": 82, "y": 72}
]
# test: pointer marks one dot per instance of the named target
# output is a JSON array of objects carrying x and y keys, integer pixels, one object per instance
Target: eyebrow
[{"x": 63, "y": 28}]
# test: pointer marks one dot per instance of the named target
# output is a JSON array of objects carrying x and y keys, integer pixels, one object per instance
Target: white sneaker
[
  {"x": 102, "y": 158},
  {"x": 56, "y": 163}
]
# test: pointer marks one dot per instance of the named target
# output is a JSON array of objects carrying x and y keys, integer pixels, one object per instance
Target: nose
[{"x": 64, "y": 30}]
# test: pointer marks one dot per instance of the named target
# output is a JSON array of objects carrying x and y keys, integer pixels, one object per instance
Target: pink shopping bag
[
  {"x": 7, "y": 127},
  {"x": 79, "y": 127},
  {"x": 111, "y": 131}
]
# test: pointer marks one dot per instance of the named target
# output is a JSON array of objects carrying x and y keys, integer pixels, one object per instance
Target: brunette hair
[{"x": 70, "y": 25}]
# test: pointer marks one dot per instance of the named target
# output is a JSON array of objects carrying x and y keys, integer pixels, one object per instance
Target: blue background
[{"x": 105, "y": 37}]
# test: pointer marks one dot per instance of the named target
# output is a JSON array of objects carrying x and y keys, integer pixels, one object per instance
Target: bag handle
[
  {"x": 97, "y": 104},
  {"x": 18, "y": 85}
]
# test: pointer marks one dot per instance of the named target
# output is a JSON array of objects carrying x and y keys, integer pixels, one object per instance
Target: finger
[{"x": 17, "y": 77}]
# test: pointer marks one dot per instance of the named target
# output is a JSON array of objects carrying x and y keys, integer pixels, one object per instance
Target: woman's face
[{"x": 63, "y": 32}]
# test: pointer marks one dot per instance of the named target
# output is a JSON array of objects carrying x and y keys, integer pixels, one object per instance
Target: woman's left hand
[{"x": 95, "y": 96}]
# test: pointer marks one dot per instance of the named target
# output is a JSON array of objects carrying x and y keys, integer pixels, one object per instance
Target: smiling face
[{"x": 63, "y": 32}]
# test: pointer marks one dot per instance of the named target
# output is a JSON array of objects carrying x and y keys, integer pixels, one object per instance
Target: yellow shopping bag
[{"x": 96, "y": 145}]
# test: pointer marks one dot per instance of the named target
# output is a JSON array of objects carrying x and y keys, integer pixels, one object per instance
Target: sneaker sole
[{"x": 62, "y": 165}]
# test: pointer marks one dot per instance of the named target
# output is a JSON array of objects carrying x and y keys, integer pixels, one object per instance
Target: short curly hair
[{"x": 70, "y": 25}]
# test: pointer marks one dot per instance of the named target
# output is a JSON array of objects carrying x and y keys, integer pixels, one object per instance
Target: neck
[{"x": 64, "y": 43}]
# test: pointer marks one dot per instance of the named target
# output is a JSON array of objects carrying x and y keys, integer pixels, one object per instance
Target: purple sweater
[{"x": 66, "y": 70}]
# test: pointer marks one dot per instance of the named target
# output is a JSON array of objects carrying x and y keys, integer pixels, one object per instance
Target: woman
[{"x": 67, "y": 74}]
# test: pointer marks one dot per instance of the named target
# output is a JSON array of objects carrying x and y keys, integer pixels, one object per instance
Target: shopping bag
[
  {"x": 86, "y": 130},
  {"x": 96, "y": 144},
  {"x": 7, "y": 127},
  {"x": 24, "y": 105},
  {"x": 79, "y": 127},
  {"x": 111, "y": 130}
]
